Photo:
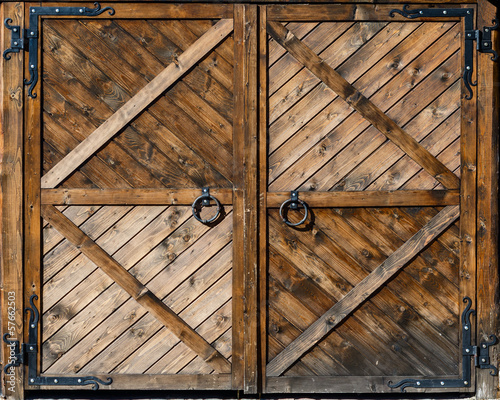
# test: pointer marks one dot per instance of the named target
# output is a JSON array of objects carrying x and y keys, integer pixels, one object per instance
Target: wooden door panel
[{"x": 365, "y": 120}]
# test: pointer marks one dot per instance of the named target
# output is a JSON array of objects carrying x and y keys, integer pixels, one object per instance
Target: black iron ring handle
[
  {"x": 198, "y": 200},
  {"x": 286, "y": 204}
]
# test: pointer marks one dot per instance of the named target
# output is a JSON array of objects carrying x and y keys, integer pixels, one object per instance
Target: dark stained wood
[
  {"x": 370, "y": 198},
  {"x": 356, "y": 100},
  {"x": 337, "y": 12},
  {"x": 12, "y": 191},
  {"x": 132, "y": 196},
  {"x": 488, "y": 282},
  {"x": 134, "y": 106},
  {"x": 362, "y": 291},
  {"x": 135, "y": 289}
]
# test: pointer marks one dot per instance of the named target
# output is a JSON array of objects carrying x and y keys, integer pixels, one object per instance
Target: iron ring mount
[
  {"x": 204, "y": 200},
  {"x": 293, "y": 203}
]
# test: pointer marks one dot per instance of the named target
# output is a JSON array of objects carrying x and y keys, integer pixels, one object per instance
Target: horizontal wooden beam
[
  {"x": 137, "y": 104},
  {"x": 364, "y": 106},
  {"x": 375, "y": 198},
  {"x": 136, "y": 289},
  {"x": 132, "y": 197},
  {"x": 340, "y": 12},
  {"x": 362, "y": 291},
  {"x": 160, "y": 11}
]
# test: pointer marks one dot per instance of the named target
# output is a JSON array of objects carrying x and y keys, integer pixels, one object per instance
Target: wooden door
[
  {"x": 136, "y": 111},
  {"x": 364, "y": 115}
]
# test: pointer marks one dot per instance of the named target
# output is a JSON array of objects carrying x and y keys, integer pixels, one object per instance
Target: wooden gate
[{"x": 135, "y": 112}]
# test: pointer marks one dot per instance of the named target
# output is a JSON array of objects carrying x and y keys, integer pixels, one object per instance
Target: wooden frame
[{"x": 24, "y": 194}]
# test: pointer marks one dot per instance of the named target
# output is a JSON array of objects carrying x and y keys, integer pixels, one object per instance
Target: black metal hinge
[
  {"x": 482, "y": 38},
  {"x": 480, "y": 353},
  {"x": 29, "y": 41},
  {"x": 27, "y": 354}
]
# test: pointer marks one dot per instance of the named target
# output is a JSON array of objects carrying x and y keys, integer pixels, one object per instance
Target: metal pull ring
[
  {"x": 293, "y": 204},
  {"x": 204, "y": 200}
]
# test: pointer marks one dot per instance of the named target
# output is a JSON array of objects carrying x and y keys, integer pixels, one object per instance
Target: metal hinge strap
[
  {"x": 482, "y": 38},
  {"x": 27, "y": 354},
  {"x": 29, "y": 42}
]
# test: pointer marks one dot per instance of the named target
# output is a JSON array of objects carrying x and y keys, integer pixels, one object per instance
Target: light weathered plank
[
  {"x": 374, "y": 198},
  {"x": 11, "y": 202},
  {"x": 135, "y": 289},
  {"x": 369, "y": 111},
  {"x": 137, "y": 104},
  {"x": 362, "y": 291},
  {"x": 130, "y": 196}
]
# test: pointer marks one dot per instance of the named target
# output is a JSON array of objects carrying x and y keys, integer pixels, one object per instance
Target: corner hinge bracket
[
  {"x": 27, "y": 354},
  {"x": 480, "y": 354},
  {"x": 29, "y": 41},
  {"x": 482, "y": 38}
]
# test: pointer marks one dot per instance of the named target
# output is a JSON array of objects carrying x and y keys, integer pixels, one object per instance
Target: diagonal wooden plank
[
  {"x": 365, "y": 107},
  {"x": 137, "y": 103},
  {"x": 136, "y": 289},
  {"x": 366, "y": 288}
]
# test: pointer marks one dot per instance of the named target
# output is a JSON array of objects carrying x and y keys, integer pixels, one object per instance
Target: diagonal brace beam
[
  {"x": 137, "y": 104},
  {"x": 363, "y": 290},
  {"x": 136, "y": 289},
  {"x": 360, "y": 103}
]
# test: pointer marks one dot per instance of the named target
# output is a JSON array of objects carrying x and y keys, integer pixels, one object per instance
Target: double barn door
[{"x": 363, "y": 113}]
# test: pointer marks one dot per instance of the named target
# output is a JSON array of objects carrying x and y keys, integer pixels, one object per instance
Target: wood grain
[
  {"x": 362, "y": 291},
  {"x": 135, "y": 289},
  {"x": 356, "y": 100},
  {"x": 135, "y": 105}
]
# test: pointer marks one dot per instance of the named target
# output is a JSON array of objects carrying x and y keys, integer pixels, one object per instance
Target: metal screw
[
  {"x": 418, "y": 383},
  {"x": 467, "y": 350},
  {"x": 15, "y": 29},
  {"x": 483, "y": 359},
  {"x": 468, "y": 12},
  {"x": 32, "y": 33},
  {"x": 32, "y": 325},
  {"x": 32, "y": 10},
  {"x": 466, "y": 383},
  {"x": 32, "y": 66},
  {"x": 56, "y": 381},
  {"x": 79, "y": 381},
  {"x": 442, "y": 383},
  {"x": 81, "y": 10},
  {"x": 15, "y": 43},
  {"x": 57, "y": 10},
  {"x": 486, "y": 30},
  {"x": 466, "y": 327},
  {"x": 484, "y": 346},
  {"x": 421, "y": 12},
  {"x": 445, "y": 12},
  {"x": 31, "y": 347},
  {"x": 485, "y": 44},
  {"x": 32, "y": 380}
]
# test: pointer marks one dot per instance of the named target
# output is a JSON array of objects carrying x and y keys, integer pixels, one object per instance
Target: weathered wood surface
[
  {"x": 370, "y": 198},
  {"x": 488, "y": 280},
  {"x": 135, "y": 289},
  {"x": 11, "y": 202},
  {"x": 137, "y": 104},
  {"x": 344, "y": 307},
  {"x": 360, "y": 103},
  {"x": 130, "y": 196}
]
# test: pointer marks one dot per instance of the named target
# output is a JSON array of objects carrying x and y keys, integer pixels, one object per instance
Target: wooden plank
[
  {"x": 339, "y": 12},
  {"x": 137, "y": 104},
  {"x": 146, "y": 382},
  {"x": 362, "y": 291},
  {"x": 12, "y": 192},
  {"x": 375, "y": 198},
  {"x": 135, "y": 289},
  {"x": 360, "y": 103},
  {"x": 130, "y": 196},
  {"x": 488, "y": 279}
]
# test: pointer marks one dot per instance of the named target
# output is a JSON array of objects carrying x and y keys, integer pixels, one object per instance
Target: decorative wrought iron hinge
[
  {"x": 480, "y": 353},
  {"x": 29, "y": 41},
  {"x": 27, "y": 354},
  {"x": 482, "y": 38}
]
